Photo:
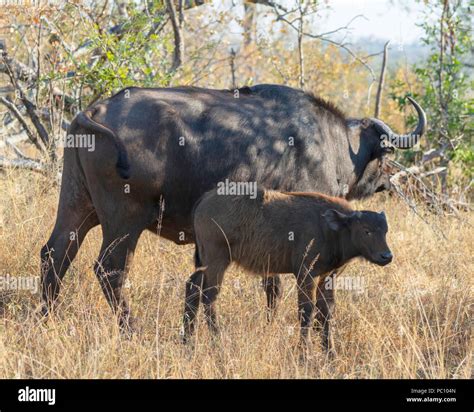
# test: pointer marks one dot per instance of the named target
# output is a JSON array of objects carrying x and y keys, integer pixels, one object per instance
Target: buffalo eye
[{"x": 368, "y": 232}]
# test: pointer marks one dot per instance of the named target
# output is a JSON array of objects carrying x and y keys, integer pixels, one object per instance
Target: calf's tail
[{"x": 84, "y": 119}]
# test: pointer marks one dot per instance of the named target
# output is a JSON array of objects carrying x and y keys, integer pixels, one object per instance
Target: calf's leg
[
  {"x": 204, "y": 285},
  {"x": 194, "y": 287},
  {"x": 273, "y": 291},
  {"x": 325, "y": 305},
  {"x": 306, "y": 292},
  {"x": 213, "y": 277}
]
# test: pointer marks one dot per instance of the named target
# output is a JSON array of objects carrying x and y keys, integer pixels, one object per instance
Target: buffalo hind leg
[
  {"x": 75, "y": 217},
  {"x": 111, "y": 270},
  {"x": 273, "y": 291},
  {"x": 325, "y": 304},
  {"x": 58, "y": 253}
]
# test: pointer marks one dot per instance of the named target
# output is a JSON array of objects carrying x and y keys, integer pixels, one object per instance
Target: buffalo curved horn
[{"x": 403, "y": 141}]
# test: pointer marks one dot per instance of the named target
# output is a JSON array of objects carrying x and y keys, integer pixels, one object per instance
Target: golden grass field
[{"x": 412, "y": 320}]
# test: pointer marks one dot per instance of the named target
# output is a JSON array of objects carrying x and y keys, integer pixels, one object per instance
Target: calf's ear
[
  {"x": 335, "y": 220},
  {"x": 365, "y": 123}
]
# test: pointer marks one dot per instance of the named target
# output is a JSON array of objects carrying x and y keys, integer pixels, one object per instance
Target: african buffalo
[
  {"x": 171, "y": 145},
  {"x": 308, "y": 234}
]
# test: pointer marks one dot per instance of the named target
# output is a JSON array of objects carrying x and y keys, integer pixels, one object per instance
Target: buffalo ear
[{"x": 335, "y": 220}]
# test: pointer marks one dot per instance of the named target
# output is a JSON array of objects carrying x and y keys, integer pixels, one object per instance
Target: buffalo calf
[{"x": 308, "y": 234}]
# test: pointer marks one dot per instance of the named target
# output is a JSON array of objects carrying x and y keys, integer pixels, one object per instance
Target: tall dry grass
[{"x": 412, "y": 319}]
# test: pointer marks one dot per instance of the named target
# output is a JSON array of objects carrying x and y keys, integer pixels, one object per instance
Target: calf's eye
[{"x": 368, "y": 232}]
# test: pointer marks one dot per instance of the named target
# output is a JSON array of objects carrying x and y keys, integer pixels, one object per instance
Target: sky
[
  {"x": 386, "y": 19},
  {"x": 393, "y": 20}
]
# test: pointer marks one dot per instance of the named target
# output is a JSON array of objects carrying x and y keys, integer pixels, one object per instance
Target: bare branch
[
  {"x": 32, "y": 165},
  {"x": 21, "y": 71},
  {"x": 14, "y": 110},
  {"x": 16, "y": 150},
  {"x": 30, "y": 107},
  {"x": 46, "y": 115},
  {"x": 232, "y": 68},
  {"x": 434, "y": 153},
  {"x": 178, "y": 55},
  {"x": 6, "y": 90},
  {"x": 346, "y": 27},
  {"x": 378, "y": 99},
  {"x": 271, "y": 4},
  {"x": 300, "y": 31},
  {"x": 15, "y": 138},
  {"x": 348, "y": 50},
  {"x": 322, "y": 36},
  {"x": 440, "y": 201},
  {"x": 181, "y": 13}
]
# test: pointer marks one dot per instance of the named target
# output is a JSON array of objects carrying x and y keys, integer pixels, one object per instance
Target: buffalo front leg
[
  {"x": 111, "y": 270},
  {"x": 273, "y": 291},
  {"x": 325, "y": 304}
]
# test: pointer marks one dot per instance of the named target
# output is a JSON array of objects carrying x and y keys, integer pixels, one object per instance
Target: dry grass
[{"x": 411, "y": 321}]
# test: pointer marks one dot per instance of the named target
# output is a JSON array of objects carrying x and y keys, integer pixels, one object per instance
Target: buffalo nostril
[{"x": 386, "y": 256}]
